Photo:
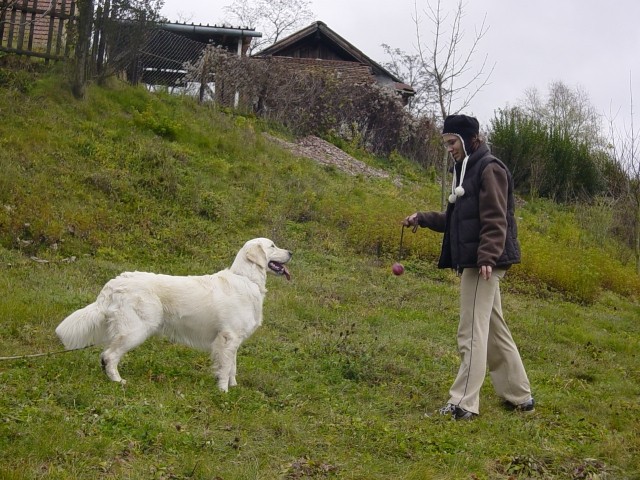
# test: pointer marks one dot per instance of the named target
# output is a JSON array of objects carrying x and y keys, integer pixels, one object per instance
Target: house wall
[{"x": 352, "y": 71}]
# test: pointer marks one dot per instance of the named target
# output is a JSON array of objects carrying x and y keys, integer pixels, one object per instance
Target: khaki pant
[{"x": 484, "y": 340}]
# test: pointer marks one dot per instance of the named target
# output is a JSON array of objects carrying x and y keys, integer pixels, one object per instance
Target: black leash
[{"x": 414, "y": 230}]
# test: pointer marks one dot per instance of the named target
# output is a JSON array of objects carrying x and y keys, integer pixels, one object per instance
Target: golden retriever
[{"x": 215, "y": 313}]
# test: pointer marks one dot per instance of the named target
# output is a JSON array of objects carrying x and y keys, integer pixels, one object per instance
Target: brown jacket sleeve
[
  {"x": 493, "y": 214},
  {"x": 433, "y": 220}
]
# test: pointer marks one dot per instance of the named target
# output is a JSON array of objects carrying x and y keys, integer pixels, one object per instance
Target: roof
[
  {"x": 227, "y": 37},
  {"x": 320, "y": 31},
  {"x": 208, "y": 30}
]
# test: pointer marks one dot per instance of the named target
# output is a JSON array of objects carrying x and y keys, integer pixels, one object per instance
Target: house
[{"x": 319, "y": 46}]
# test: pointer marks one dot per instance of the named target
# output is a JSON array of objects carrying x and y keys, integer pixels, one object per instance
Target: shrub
[
  {"x": 559, "y": 253},
  {"x": 158, "y": 123},
  {"x": 545, "y": 161},
  {"x": 313, "y": 100},
  {"x": 561, "y": 269}
]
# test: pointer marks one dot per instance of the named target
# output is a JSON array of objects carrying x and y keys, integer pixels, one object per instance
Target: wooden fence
[{"x": 37, "y": 28}]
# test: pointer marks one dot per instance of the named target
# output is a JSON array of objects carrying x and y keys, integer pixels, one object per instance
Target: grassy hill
[{"x": 343, "y": 379}]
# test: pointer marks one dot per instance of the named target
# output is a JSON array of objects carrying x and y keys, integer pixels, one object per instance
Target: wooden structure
[
  {"x": 36, "y": 28},
  {"x": 162, "y": 54},
  {"x": 317, "y": 45}
]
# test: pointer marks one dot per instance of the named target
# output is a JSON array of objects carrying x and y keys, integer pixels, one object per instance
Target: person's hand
[
  {"x": 411, "y": 220},
  {"x": 485, "y": 271}
]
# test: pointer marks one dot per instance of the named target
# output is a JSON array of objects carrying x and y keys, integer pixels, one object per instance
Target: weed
[{"x": 355, "y": 357}]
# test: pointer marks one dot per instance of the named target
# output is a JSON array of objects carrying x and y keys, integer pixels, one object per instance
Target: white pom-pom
[
  {"x": 459, "y": 191},
  {"x": 452, "y": 198}
]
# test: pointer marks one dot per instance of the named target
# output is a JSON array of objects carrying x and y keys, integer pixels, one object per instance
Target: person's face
[{"x": 454, "y": 146}]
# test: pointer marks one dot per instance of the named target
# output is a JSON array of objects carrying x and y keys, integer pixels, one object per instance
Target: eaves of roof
[{"x": 209, "y": 30}]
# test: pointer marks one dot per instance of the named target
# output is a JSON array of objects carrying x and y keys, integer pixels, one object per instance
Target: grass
[{"x": 343, "y": 379}]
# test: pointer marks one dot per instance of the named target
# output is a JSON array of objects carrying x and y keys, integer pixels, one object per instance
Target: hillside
[{"x": 344, "y": 376}]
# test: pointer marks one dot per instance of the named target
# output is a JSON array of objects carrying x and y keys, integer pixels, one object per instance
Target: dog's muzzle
[{"x": 279, "y": 269}]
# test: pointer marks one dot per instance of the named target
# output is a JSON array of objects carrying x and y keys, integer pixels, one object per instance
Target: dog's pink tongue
[{"x": 286, "y": 273}]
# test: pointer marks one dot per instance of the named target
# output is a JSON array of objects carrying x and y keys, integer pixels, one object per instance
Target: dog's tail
[{"x": 83, "y": 328}]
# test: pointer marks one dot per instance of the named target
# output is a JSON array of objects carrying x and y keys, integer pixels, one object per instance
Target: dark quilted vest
[{"x": 462, "y": 231}]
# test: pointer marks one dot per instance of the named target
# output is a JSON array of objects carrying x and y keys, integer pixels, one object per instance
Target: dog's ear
[{"x": 256, "y": 254}]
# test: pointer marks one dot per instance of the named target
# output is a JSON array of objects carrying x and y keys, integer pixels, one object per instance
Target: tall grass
[{"x": 343, "y": 379}]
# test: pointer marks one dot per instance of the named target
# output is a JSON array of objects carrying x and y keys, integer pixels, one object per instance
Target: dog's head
[{"x": 264, "y": 253}]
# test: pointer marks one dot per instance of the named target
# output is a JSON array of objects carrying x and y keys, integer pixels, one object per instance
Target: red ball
[{"x": 397, "y": 269}]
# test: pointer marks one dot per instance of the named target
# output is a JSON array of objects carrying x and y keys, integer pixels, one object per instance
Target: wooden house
[{"x": 319, "y": 46}]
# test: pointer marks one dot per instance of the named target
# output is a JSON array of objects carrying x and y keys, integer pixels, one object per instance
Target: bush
[
  {"x": 544, "y": 161},
  {"x": 18, "y": 73},
  {"x": 561, "y": 255},
  {"x": 313, "y": 100}
]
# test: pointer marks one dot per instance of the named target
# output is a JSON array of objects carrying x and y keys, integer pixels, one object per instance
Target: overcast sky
[{"x": 593, "y": 44}]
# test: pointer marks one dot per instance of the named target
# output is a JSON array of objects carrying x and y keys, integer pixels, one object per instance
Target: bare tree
[
  {"x": 447, "y": 64},
  {"x": 626, "y": 150},
  {"x": 566, "y": 111},
  {"x": 410, "y": 69},
  {"x": 632, "y": 166},
  {"x": 203, "y": 71},
  {"x": 273, "y": 18}
]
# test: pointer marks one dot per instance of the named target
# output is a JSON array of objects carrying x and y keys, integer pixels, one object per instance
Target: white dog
[{"x": 215, "y": 313}]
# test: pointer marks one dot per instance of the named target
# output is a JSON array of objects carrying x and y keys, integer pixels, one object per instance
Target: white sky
[{"x": 593, "y": 44}]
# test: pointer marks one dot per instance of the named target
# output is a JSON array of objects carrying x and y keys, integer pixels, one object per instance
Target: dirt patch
[{"x": 326, "y": 153}]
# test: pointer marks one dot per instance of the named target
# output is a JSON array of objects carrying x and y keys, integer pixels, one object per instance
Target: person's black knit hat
[{"x": 464, "y": 126}]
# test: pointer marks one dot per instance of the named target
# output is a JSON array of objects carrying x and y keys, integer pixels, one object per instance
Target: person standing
[{"x": 480, "y": 243}]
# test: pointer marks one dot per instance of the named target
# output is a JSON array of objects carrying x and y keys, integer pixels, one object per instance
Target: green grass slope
[{"x": 343, "y": 379}]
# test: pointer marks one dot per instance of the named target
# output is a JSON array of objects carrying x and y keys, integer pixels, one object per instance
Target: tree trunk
[{"x": 85, "y": 20}]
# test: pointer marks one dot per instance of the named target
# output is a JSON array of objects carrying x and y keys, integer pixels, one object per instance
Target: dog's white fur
[{"x": 215, "y": 313}]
